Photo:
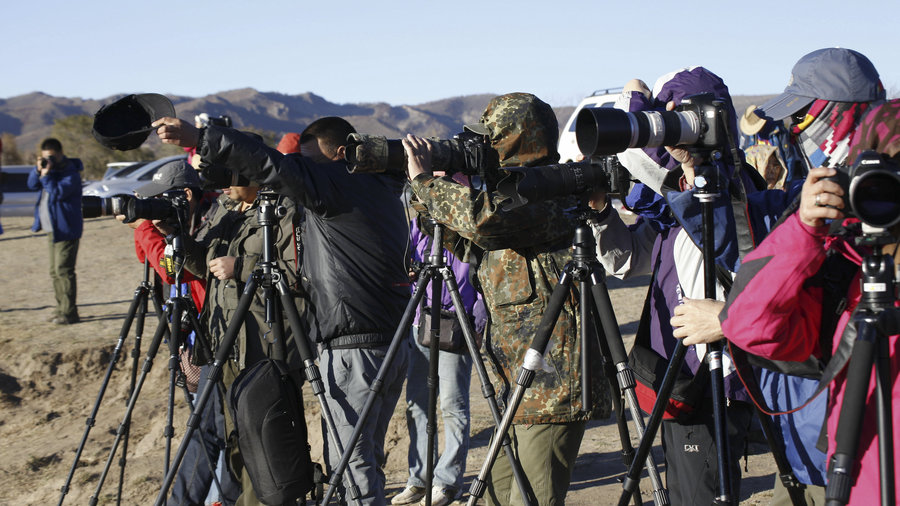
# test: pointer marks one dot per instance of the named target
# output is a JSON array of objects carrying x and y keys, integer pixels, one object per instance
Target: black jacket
[{"x": 355, "y": 238}]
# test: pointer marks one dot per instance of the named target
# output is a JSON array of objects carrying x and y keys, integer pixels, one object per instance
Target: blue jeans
[
  {"x": 347, "y": 375},
  {"x": 455, "y": 374},
  {"x": 195, "y": 477}
]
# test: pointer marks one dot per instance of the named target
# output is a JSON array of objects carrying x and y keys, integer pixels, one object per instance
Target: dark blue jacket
[{"x": 63, "y": 187}]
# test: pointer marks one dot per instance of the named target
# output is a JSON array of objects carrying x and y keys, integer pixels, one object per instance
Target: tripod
[
  {"x": 437, "y": 271},
  {"x": 136, "y": 313},
  {"x": 876, "y": 319},
  {"x": 587, "y": 271},
  {"x": 270, "y": 277},
  {"x": 706, "y": 190},
  {"x": 181, "y": 310}
]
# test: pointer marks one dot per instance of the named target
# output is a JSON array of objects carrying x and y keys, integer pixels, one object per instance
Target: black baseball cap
[{"x": 125, "y": 123}]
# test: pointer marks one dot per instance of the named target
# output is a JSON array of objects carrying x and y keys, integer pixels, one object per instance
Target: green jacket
[
  {"x": 525, "y": 250},
  {"x": 238, "y": 234}
]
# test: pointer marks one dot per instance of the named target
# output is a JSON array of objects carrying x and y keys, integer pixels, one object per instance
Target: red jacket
[
  {"x": 774, "y": 311},
  {"x": 151, "y": 243}
]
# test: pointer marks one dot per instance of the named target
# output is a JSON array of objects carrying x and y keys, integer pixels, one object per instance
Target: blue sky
[{"x": 410, "y": 52}]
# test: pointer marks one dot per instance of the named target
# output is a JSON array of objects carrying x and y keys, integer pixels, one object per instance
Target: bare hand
[
  {"x": 418, "y": 155},
  {"x": 820, "y": 199},
  {"x": 222, "y": 267},
  {"x": 697, "y": 321},
  {"x": 597, "y": 200},
  {"x": 163, "y": 227},
  {"x": 177, "y": 132}
]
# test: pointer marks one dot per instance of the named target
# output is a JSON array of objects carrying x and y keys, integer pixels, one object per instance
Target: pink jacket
[{"x": 774, "y": 311}]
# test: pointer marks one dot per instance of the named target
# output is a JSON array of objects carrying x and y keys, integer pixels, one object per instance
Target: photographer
[
  {"x": 194, "y": 475},
  {"x": 525, "y": 250},
  {"x": 829, "y": 91},
  {"x": 58, "y": 212},
  {"x": 787, "y": 316},
  {"x": 226, "y": 257},
  {"x": 665, "y": 241},
  {"x": 354, "y": 271}
]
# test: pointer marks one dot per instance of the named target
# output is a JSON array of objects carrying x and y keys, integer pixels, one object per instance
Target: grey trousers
[{"x": 348, "y": 375}]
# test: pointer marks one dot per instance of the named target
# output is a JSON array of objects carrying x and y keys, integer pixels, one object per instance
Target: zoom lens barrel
[{"x": 606, "y": 131}]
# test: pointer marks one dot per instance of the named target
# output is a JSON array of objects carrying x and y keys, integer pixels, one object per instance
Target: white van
[{"x": 567, "y": 147}]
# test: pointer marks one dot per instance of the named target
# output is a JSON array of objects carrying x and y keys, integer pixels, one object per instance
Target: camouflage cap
[{"x": 522, "y": 128}]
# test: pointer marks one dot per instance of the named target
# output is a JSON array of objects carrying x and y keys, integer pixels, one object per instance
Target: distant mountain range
[{"x": 30, "y": 117}]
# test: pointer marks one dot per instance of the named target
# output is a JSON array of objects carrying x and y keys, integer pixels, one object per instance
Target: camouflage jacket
[{"x": 525, "y": 250}]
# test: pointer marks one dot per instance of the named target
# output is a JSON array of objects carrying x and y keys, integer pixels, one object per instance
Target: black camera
[
  {"x": 466, "y": 152},
  {"x": 94, "y": 207},
  {"x": 871, "y": 189},
  {"x": 46, "y": 162},
  {"x": 530, "y": 184},
  {"x": 698, "y": 121},
  {"x": 171, "y": 207}
]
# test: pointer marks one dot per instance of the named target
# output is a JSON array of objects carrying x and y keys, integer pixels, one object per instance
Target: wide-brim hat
[
  {"x": 750, "y": 122},
  {"x": 125, "y": 123},
  {"x": 834, "y": 74}
]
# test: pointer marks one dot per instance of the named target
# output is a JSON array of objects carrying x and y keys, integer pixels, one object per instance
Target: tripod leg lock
[{"x": 840, "y": 480}]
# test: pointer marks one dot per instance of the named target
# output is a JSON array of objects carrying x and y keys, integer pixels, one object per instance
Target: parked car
[
  {"x": 128, "y": 179},
  {"x": 17, "y": 199},
  {"x": 567, "y": 147},
  {"x": 114, "y": 167}
]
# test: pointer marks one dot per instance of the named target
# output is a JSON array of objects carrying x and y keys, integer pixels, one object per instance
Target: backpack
[{"x": 267, "y": 411}]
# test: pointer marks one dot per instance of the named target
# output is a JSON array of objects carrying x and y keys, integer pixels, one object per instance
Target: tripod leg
[
  {"x": 859, "y": 370},
  {"x": 215, "y": 373},
  {"x": 487, "y": 389},
  {"x": 618, "y": 404},
  {"x": 138, "y": 301},
  {"x": 377, "y": 385},
  {"x": 532, "y": 362},
  {"x": 312, "y": 374},
  {"x": 625, "y": 380},
  {"x": 162, "y": 330},
  {"x": 135, "y": 354}
]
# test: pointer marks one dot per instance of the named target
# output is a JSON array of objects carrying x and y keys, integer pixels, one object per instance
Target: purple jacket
[{"x": 474, "y": 306}]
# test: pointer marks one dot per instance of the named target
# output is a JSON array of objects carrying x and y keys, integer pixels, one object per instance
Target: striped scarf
[{"x": 826, "y": 131}]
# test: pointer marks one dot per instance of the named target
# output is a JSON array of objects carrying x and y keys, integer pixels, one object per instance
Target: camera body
[
  {"x": 871, "y": 189},
  {"x": 47, "y": 162},
  {"x": 467, "y": 152}
]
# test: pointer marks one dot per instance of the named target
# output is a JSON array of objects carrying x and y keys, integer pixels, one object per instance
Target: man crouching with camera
[{"x": 525, "y": 250}]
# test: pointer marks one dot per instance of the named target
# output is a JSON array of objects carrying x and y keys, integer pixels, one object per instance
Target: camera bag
[
  {"x": 267, "y": 411},
  {"x": 451, "y": 338}
]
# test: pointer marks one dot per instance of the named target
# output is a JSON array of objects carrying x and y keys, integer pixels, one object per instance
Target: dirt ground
[{"x": 51, "y": 378}]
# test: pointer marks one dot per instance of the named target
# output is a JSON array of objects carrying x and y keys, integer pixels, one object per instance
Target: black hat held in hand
[{"x": 125, "y": 123}]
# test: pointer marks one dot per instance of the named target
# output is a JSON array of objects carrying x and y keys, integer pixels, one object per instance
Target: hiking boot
[
  {"x": 440, "y": 496},
  {"x": 410, "y": 495}
]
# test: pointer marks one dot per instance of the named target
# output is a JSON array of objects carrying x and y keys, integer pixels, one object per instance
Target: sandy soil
[{"x": 51, "y": 378}]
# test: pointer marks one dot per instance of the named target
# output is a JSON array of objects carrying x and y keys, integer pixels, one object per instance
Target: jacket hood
[{"x": 522, "y": 128}]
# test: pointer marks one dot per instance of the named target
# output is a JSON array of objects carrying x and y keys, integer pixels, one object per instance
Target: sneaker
[
  {"x": 52, "y": 318},
  {"x": 410, "y": 495},
  {"x": 62, "y": 320},
  {"x": 440, "y": 496}
]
